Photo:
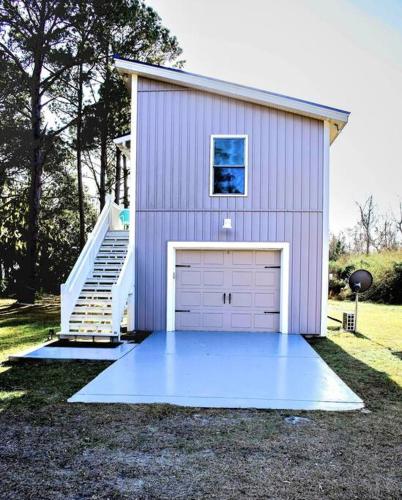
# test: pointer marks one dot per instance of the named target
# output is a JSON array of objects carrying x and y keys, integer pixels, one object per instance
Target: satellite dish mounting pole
[{"x": 356, "y": 304}]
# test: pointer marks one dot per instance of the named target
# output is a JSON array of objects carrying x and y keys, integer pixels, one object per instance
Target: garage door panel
[
  {"x": 214, "y": 258},
  {"x": 189, "y": 278},
  {"x": 241, "y": 278},
  {"x": 188, "y": 257},
  {"x": 214, "y": 299},
  {"x": 188, "y": 298},
  {"x": 214, "y": 278},
  {"x": 242, "y": 258},
  {"x": 242, "y": 299},
  {"x": 266, "y": 322},
  {"x": 213, "y": 320},
  {"x": 188, "y": 320},
  {"x": 268, "y": 278},
  {"x": 267, "y": 258},
  {"x": 268, "y": 300},
  {"x": 241, "y": 321}
]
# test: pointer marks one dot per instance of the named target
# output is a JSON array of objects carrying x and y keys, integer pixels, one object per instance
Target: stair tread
[
  {"x": 85, "y": 334},
  {"x": 89, "y": 306},
  {"x": 100, "y": 287},
  {"x": 91, "y": 318},
  {"x": 90, "y": 328}
]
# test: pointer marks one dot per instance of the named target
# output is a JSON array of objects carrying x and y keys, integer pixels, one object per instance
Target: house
[{"x": 229, "y": 213}]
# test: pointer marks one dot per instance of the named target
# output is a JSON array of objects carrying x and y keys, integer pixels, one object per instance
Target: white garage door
[{"x": 228, "y": 290}]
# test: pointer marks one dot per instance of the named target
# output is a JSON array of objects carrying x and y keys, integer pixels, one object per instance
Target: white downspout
[{"x": 133, "y": 195}]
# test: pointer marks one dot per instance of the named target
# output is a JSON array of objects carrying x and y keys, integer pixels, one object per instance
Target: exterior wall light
[{"x": 227, "y": 224}]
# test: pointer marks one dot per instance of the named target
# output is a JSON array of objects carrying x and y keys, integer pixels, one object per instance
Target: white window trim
[
  {"x": 211, "y": 164},
  {"x": 172, "y": 246}
]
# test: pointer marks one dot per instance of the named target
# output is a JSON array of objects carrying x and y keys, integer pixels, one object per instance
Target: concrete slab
[
  {"x": 75, "y": 353},
  {"x": 222, "y": 370}
]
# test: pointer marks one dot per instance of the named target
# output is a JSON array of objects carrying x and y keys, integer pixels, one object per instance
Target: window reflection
[
  {"x": 229, "y": 151},
  {"x": 229, "y": 180}
]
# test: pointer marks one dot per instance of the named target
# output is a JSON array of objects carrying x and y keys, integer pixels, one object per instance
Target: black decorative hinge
[
  {"x": 272, "y": 312},
  {"x": 182, "y": 310},
  {"x": 183, "y": 265},
  {"x": 272, "y": 267}
]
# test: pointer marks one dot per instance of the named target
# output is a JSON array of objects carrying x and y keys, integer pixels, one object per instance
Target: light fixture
[{"x": 227, "y": 224}]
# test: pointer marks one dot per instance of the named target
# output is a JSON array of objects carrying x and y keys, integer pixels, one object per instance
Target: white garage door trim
[{"x": 225, "y": 245}]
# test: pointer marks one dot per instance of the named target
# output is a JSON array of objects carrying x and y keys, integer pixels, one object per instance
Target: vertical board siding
[{"x": 284, "y": 202}]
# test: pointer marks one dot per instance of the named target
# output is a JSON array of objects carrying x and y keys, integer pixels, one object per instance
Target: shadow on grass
[
  {"x": 16, "y": 314},
  {"x": 33, "y": 384},
  {"x": 25, "y": 336},
  {"x": 376, "y": 388}
]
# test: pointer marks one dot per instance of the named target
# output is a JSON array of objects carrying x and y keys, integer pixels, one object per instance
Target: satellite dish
[{"x": 360, "y": 281}]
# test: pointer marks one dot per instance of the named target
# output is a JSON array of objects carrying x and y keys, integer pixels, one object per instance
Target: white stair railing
[
  {"x": 71, "y": 289},
  {"x": 122, "y": 289}
]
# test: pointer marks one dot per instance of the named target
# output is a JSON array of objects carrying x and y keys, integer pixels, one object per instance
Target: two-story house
[{"x": 229, "y": 211}]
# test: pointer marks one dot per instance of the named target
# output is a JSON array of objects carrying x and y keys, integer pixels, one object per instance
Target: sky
[{"x": 346, "y": 54}]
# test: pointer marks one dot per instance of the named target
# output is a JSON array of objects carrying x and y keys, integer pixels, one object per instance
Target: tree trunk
[
  {"x": 3, "y": 178},
  {"x": 118, "y": 177},
  {"x": 103, "y": 167},
  {"x": 79, "y": 161},
  {"x": 103, "y": 139},
  {"x": 27, "y": 286},
  {"x": 125, "y": 182}
]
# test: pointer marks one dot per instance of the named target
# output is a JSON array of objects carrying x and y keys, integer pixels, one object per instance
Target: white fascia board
[
  {"x": 337, "y": 117},
  {"x": 122, "y": 139}
]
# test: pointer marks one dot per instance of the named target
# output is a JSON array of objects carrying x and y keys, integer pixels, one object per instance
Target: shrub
[{"x": 386, "y": 268}]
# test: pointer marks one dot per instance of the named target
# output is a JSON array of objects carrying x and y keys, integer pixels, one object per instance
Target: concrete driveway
[{"x": 222, "y": 370}]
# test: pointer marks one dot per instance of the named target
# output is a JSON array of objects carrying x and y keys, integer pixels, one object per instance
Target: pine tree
[{"x": 34, "y": 36}]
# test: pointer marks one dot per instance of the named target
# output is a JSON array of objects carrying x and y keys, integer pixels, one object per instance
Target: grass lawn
[{"x": 51, "y": 449}]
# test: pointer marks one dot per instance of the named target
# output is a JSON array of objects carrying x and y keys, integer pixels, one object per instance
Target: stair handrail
[
  {"x": 70, "y": 290},
  {"x": 122, "y": 289}
]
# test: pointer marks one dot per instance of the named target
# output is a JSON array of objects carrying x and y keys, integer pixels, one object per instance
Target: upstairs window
[{"x": 228, "y": 165}]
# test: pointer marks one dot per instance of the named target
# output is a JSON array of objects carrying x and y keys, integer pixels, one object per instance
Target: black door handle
[
  {"x": 230, "y": 298},
  {"x": 224, "y": 298}
]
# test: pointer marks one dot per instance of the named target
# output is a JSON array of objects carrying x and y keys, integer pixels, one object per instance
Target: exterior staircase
[
  {"x": 92, "y": 314},
  {"x": 96, "y": 295}
]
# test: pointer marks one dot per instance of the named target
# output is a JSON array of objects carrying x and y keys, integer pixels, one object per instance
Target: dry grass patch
[{"x": 50, "y": 449}]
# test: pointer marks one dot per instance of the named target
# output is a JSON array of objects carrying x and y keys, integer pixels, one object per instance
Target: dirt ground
[{"x": 50, "y": 449}]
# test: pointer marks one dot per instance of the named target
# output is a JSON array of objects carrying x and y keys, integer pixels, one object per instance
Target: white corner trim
[
  {"x": 325, "y": 229},
  {"x": 172, "y": 246},
  {"x": 133, "y": 154},
  {"x": 133, "y": 191},
  {"x": 211, "y": 165}
]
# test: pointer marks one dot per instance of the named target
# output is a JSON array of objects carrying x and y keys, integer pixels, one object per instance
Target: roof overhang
[
  {"x": 337, "y": 118},
  {"x": 123, "y": 143}
]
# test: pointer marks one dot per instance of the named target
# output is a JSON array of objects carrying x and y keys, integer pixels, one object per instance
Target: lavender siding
[{"x": 284, "y": 201}]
